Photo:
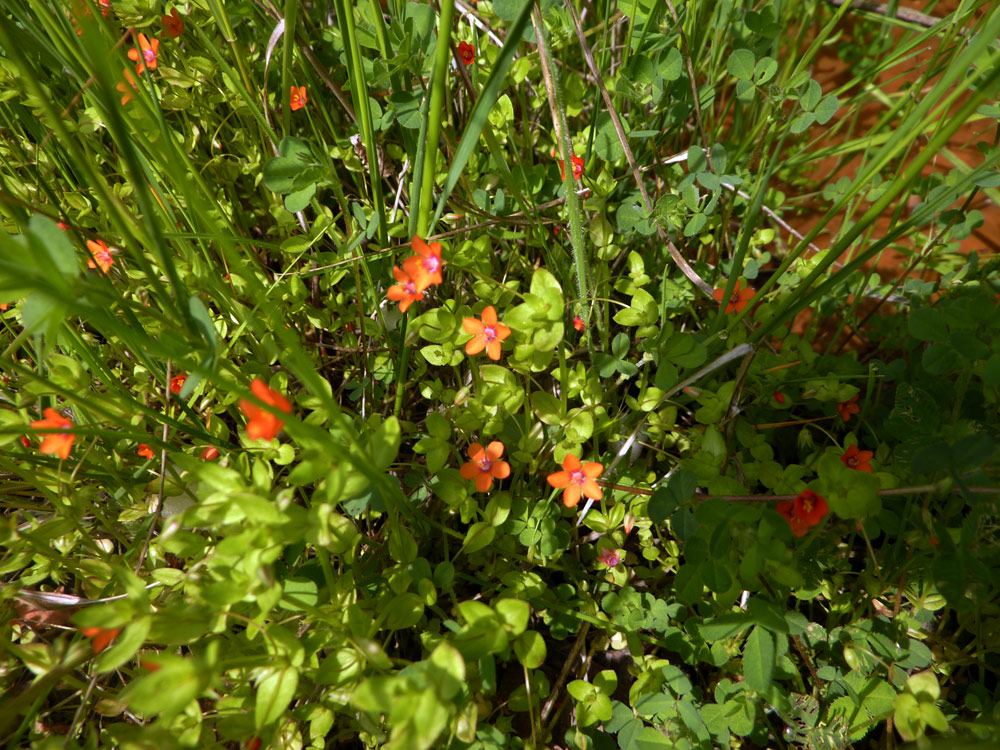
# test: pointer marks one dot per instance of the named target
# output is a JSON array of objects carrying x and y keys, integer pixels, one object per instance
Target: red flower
[
  {"x": 578, "y": 323},
  {"x": 262, "y": 423},
  {"x": 486, "y": 334},
  {"x": 177, "y": 383},
  {"x": 485, "y": 465},
  {"x": 25, "y": 441},
  {"x": 173, "y": 24},
  {"x": 849, "y": 407},
  {"x": 424, "y": 267},
  {"x": 857, "y": 460},
  {"x": 144, "y": 450},
  {"x": 145, "y": 56},
  {"x": 805, "y": 511},
  {"x": 577, "y": 479},
  {"x": 101, "y": 256},
  {"x": 779, "y": 397},
  {"x": 577, "y": 162},
  {"x": 298, "y": 98},
  {"x": 210, "y": 453},
  {"x": 55, "y": 442},
  {"x": 102, "y": 637},
  {"x": 405, "y": 292},
  {"x": 467, "y": 52},
  {"x": 738, "y": 300}
]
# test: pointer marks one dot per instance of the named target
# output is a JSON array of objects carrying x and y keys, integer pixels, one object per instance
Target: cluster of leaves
[{"x": 250, "y": 500}]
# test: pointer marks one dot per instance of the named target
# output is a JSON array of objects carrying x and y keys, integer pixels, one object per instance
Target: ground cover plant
[{"x": 451, "y": 376}]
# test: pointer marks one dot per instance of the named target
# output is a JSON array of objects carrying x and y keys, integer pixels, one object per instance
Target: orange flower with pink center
[
  {"x": 576, "y": 480},
  {"x": 297, "y": 98},
  {"x": 177, "y": 383},
  {"x": 145, "y": 56},
  {"x": 101, "y": 255},
  {"x": 173, "y": 24},
  {"x": 487, "y": 334},
  {"x": 56, "y": 443},
  {"x": 144, "y": 451},
  {"x": 467, "y": 53},
  {"x": 424, "y": 267},
  {"x": 406, "y": 292},
  {"x": 577, "y": 164},
  {"x": 485, "y": 465}
]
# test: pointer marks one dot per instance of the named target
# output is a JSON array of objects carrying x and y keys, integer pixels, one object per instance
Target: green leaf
[
  {"x": 927, "y": 324},
  {"x": 741, "y": 64},
  {"x": 125, "y": 646},
  {"x": 385, "y": 443},
  {"x": 167, "y": 691},
  {"x": 530, "y": 649},
  {"x": 758, "y": 660},
  {"x": 274, "y": 692},
  {"x": 298, "y": 200},
  {"x": 514, "y": 613},
  {"x": 547, "y": 407},
  {"x": 279, "y": 174},
  {"x": 404, "y": 611},
  {"x": 55, "y": 244}
]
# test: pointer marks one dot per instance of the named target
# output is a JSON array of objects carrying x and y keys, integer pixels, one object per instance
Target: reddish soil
[{"x": 832, "y": 72}]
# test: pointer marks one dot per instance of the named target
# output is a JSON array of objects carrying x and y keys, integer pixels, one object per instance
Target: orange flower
[
  {"x": 849, "y": 407},
  {"x": 123, "y": 87},
  {"x": 405, "y": 292},
  {"x": 805, "y": 511},
  {"x": 144, "y": 450},
  {"x": 101, "y": 255},
  {"x": 467, "y": 52},
  {"x": 857, "y": 460},
  {"x": 578, "y": 323},
  {"x": 210, "y": 453},
  {"x": 577, "y": 479},
  {"x": 177, "y": 383},
  {"x": 487, "y": 334},
  {"x": 145, "y": 56},
  {"x": 424, "y": 267},
  {"x": 738, "y": 301},
  {"x": 485, "y": 465},
  {"x": 173, "y": 24},
  {"x": 102, "y": 637},
  {"x": 779, "y": 397},
  {"x": 59, "y": 443},
  {"x": 298, "y": 98},
  {"x": 262, "y": 423},
  {"x": 577, "y": 162}
]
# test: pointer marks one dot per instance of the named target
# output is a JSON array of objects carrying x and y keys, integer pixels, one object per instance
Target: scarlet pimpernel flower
[
  {"x": 467, "y": 52},
  {"x": 297, "y": 98},
  {"x": 578, "y": 323},
  {"x": 177, "y": 383},
  {"x": 739, "y": 299},
  {"x": 424, "y": 267},
  {"x": 487, "y": 334},
  {"x": 609, "y": 556},
  {"x": 485, "y": 465},
  {"x": 127, "y": 87},
  {"x": 405, "y": 292},
  {"x": 802, "y": 513},
  {"x": 144, "y": 451},
  {"x": 577, "y": 162},
  {"x": 57, "y": 443},
  {"x": 173, "y": 24},
  {"x": 101, "y": 255},
  {"x": 857, "y": 459},
  {"x": 576, "y": 480},
  {"x": 145, "y": 56},
  {"x": 101, "y": 637},
  {"x": 262, "y": 423},
  {"x": 846, "y": 408}
]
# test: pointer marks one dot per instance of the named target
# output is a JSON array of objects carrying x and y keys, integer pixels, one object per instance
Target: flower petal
[
  {"x": 558, "y": 479},
  {"x": 473, "y": 326},
  {"x": 571, "y": 496}
]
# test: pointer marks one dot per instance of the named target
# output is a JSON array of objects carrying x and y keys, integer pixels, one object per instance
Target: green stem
[
  {"x": 291, "y": 13},
  {"x": 435, "y": 113}
]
